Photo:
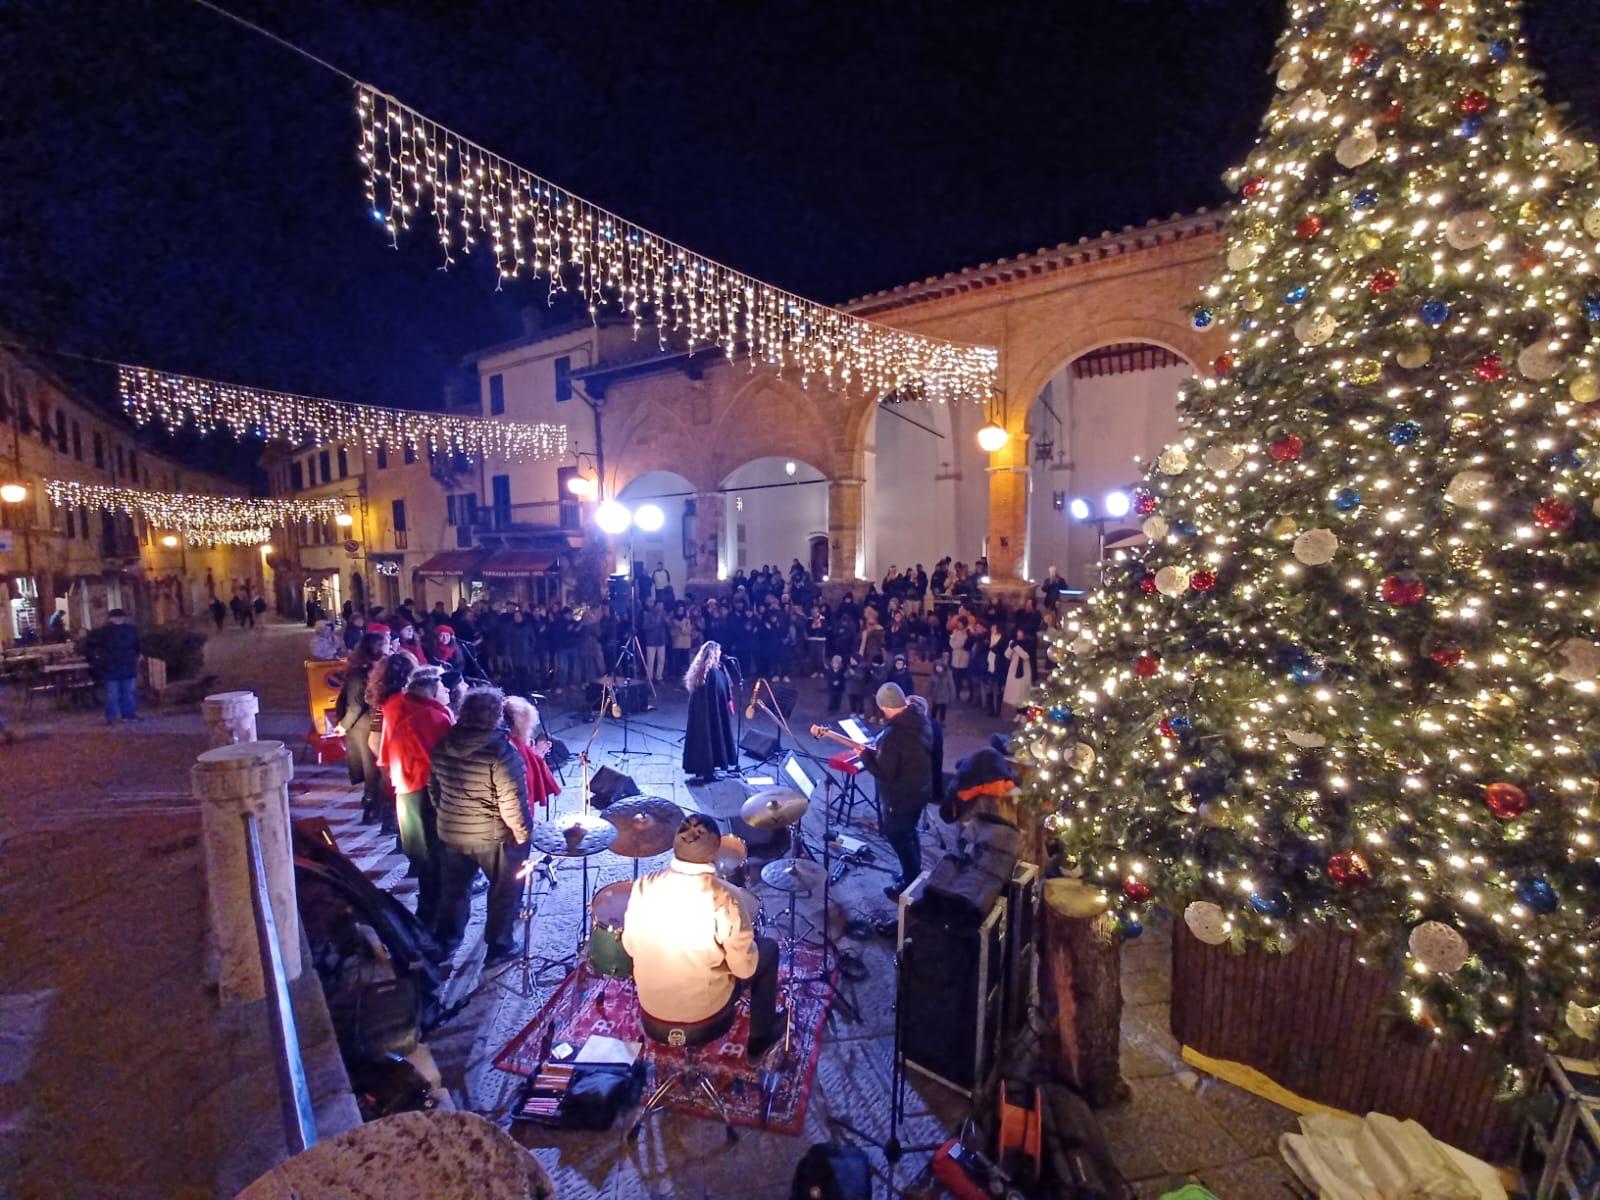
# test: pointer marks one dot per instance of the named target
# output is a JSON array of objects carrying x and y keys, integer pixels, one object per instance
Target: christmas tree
[{"x": 1351, "y": 677}]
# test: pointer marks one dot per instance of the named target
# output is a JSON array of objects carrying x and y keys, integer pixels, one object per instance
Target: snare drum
[
  {"x": 607, "y": 912},
  {"x": 732, "y": 855}
]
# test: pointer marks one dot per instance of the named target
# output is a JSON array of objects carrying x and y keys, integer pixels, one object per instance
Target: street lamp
[
  {"x": 344, "y": 520},
  {"x": 582, "y": 487},
  {"x": 992, "y": 437},
  {"x": 13, "y": 493},
  {"x": 170, "y": 541}
]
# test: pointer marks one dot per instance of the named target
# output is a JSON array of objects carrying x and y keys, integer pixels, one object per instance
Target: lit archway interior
[
  {"x": 673, "y": 545},
  {"x": 773, "y": 513}
]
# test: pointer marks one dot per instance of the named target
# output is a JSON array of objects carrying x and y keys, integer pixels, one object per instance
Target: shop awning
[
  {"x": 510, "y": 564},
  {"x": 451, "y": 562}
]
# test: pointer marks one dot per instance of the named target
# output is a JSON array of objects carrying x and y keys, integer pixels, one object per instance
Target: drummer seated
[{"x": 691, "y": 942}]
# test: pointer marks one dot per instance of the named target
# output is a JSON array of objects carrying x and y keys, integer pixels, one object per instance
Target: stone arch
[
  {"x": 771, "y": 417},
  {"x": 1025, "y": 382},
  {"x": 655, "y": 437}
]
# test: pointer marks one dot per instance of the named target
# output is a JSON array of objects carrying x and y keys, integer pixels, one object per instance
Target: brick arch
[
  {"x": 1048, "y": 359},
  {"x": 770, "y": 417},
  {"x": 655, "y": 437}
]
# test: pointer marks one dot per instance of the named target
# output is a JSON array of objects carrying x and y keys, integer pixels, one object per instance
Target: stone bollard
[
  {"x": 230, "y": 717},
  {"x": 250, "y": 777}
]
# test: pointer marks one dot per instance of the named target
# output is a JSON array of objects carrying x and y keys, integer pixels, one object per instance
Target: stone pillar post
[
  {"x": 1008, "y": 515},
  {"x": 250, "y": 777},
  {"x": 230, "y": 717},
  {"x": 847, "y": 509},
  {"x": 710, "y": 519}
]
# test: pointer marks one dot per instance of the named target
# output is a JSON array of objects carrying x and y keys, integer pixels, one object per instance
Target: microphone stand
[{"x": 730, "y": 664}]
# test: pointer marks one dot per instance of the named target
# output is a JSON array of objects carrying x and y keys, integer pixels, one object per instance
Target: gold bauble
[
  {"x": 1370, "y": 243},
  {"x": 1494, "y": 704},
  {"x": 1585, "y": 388},
  {"x": 1251, "y": 301},
  {"x": 1282, "y": 527},
  {"x": 1531, "y": 212},
  {"x": 1466, "y": 558},
  {"x": 1418, "y": 46},
  {"x": 1364, "y": 371},
  {"x": 1256, "y": 229},
  {"x": 1414, "y": 355},
  {"x": 1462, "y": 422}
]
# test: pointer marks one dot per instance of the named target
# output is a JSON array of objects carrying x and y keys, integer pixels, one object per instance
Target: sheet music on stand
[
  {"x": 796, "y": 774},
  {"x": 853, "y": 731}
]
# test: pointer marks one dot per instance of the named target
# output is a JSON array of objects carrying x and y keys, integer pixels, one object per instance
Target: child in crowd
[
  {"x": 900, "y": 673},
  {"x": 960, "y": 654},
  {"x": 941, "y": 687},
  {"x": 856, "y": 686},
  {"x": 836, "y": 681}
]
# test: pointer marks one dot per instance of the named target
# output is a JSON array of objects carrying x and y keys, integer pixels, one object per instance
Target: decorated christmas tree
[{"x": 1351, "y": 677}]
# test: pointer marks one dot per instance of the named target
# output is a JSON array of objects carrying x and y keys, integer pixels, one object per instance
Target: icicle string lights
[
  {"x": 177, "y": 400},
  {"x": 208, "y": 517},
  {"x": 417, "y": 169}
]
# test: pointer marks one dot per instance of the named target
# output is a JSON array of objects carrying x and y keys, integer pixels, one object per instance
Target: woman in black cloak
[{"x": 708, "y": 744}]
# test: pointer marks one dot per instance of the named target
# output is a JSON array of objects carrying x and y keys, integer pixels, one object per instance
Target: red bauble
[
  {"x": 1288, "y": 448},
  {"x": 1203, "y": 581},
  {"x": 1252, "y": 186},
  {"x": 1393, "y": 109},
  {"x": 1531, "y": 258},
  {"x": 1222, "y": 363},
  {"x": 1146, "y": 665},
  {"x": 1383, "y": 281},
  {"x": 1554, "y": 515},
  {"x": 1432, "y": 5},
  {"x": 1447, "y": 654},
  {"x": 1359, "y": 53},
  {"x": 1135, "y": 889},
  {"x": 1472, "y": 103},
  {"x": 1309, "y": 226},
  {"x": 1490, "y": 368},
  {"x": 1349, "y": 868},
  {"x": 1147, "y": 585},
  {"x": 1505, "y": 800},
  {"x": 1165, "y": 728},
  {"x": 1145, "y": 504},
  {"x": 1402, "y": 593}
]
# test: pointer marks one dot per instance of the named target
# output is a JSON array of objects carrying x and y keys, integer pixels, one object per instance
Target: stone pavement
[{"x": 158, "y": 1136}]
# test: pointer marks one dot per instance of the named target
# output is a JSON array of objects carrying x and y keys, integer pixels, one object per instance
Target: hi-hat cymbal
[
  {"x": 576, "y": 835},
  {"x": 774, "y": 808},
  {"x": 793, "y": 875},
  {"x": 645, "y": 825}
]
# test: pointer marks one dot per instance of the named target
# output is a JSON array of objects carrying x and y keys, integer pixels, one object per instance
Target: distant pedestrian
[
  {"x": 113, "y": 652},
  {"x": 836, "y": 682},
  {"x": 941, "y": 688},
  {"x": 219, "y": 612}
]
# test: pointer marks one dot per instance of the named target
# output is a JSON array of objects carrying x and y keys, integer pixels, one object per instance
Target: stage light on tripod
[{"x": 649, "y": 517}]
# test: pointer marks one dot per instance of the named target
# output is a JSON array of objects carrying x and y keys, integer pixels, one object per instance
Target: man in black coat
[
  {"x": 480, "y": 786},
  {"x": 113, "y": 652},
  {"x": 901, "y": 762}
]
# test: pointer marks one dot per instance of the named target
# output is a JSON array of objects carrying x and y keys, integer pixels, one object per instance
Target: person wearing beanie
[
  {"x": 690, "y": 938},
  {"x": 900, "y": 762}
]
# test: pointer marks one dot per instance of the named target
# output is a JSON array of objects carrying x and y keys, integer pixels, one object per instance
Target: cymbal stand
[{"x": 830, "y": 952}]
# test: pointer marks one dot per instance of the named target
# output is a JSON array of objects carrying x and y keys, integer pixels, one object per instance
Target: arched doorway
[
  {"x": 927, "y": 486},
  {"x": 774, "y": 508},
  {"x": 676, "y": 544},
  {"x": 1091, "y": 428}
]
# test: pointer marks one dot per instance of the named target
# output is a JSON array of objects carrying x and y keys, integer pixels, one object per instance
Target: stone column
[
  {"x": 710, "y": 519},
  {"x": 1008, "y": 515},
  {"x": 847, "y": 509},
  {"x": 230, "y": 717},
  {"x": 250, "y": 777}
]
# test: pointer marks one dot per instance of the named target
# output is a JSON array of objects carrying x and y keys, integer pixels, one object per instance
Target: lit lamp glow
[
  {"x": 789, "y": 467},
  {"x": 992, "y": 437},
  {"x": 581, "y": 486},
  {"x": 649, "y": 517},
  {"x": 1079, "y": 508},
  {"x": 1117, "y": 504},
  {"x": 613, "y": 516},
  {"x": 13, "y": 493},
  {"x": 170, "y": 540},
  {"x": 344, "y": 520},
  {"x": 266, "y": 549}
]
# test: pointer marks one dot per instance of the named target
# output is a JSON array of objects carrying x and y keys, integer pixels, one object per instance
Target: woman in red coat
[
  {"x": 413, "y": 722},
  {"x": 523, "y": 718}
]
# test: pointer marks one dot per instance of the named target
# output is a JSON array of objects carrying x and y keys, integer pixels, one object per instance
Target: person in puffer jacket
[{"x": 480, "y": 788}]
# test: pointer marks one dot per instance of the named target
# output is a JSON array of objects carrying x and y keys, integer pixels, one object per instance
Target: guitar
[{"x": 822, "y": 731}]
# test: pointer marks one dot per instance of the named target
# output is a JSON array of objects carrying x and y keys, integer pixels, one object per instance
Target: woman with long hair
[
  {"x": 522, "y": 719},
  {"x": 385, "y": 681},
  {"x": 708, "y": 744}
]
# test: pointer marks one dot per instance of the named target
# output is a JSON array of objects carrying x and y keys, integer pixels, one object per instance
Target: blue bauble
[
  {"x": 1181, "y": 724},
  {"x": 1060, "y": 713},
  {"x": 1297, "y": 293},
  {"x": 1306, "y": 671},
  {"x": 1202, "y": 318},
  {"x": 1537, "y": 894},
  {"x": 1404, "y": 433},
  {"x": 1591, "y": 307},
  {"x": 1248, "y": 324},
  {"x": 1269, "y": 904},
  {"x": 1567, "y": 460},
  {"x": 1185, "y": 528},
  {"x": 1435, "y": 312},
  {"x": 1365, "y": 198},
  {"x": 1347, "y": 500},
  {"x": 1499, "y": 51},
  {"x": 1472, "y": 127},
  {"x": 1129, "y": 925}
]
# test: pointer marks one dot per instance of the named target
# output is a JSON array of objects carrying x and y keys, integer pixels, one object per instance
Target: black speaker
[
  {"x": 951, "y": 996},
  {"x": 830, "y": 1171},
  {"x": 607, "y": 785},
  {"x": 759, "y": 744}
]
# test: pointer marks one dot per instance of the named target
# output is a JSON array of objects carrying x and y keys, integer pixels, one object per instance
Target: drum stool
[{"x": 689, "y": 1077}]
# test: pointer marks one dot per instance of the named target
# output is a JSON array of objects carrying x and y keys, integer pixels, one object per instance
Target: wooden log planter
[{"x": 1315, "y": 1022}]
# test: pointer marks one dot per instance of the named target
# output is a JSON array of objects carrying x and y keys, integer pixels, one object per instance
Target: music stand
[{"x": 795, "y": 773}]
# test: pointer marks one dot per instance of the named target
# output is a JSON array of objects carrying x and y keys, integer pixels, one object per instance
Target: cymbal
[
  {"x": 774, "y": 808},
  {"x": 610, "y": 904},
  {"x": 793, "y": 875},
  {"x": 576, "y": 835},
  {"x": 645, "y": 825}
]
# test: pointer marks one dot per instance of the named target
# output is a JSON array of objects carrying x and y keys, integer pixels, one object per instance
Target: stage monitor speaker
[
  {"x": 759, "y": 744},
  {"x": 951, "y": 994},
  {"x": 830, "y": 1171},
  {"x": 606, "y": 786}
]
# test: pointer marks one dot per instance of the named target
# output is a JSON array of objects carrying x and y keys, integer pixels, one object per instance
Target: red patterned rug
[{"x": 587, "y": 1004}]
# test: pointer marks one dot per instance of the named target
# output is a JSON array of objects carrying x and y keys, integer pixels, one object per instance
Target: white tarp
[{"x": 1379, "y": 1158}]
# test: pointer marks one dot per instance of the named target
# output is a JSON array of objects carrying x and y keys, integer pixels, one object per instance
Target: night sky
[{"x": 180, "y": 192}]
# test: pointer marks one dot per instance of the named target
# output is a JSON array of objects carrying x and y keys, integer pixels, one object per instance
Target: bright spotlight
[
  {"x": 612, "y": 516},
  {"x": 1117, "y": 504},
  {"x": 649, "y": 517},
  {"x": 789, "y": 467},
  {"x": 1079, "y": 508},
  {"x": 13, "y": 493}
]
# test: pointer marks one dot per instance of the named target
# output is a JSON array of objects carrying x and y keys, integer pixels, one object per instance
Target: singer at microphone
[{"x": 708, "y": 744}]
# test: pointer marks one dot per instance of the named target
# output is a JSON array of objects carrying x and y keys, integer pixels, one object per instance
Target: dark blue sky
[{"x": 181, "y": 192}]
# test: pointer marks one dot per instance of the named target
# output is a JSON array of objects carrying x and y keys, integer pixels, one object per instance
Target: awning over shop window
[
  {"x": 511, "y": 564},
  {"x": 451, "y": 562}
]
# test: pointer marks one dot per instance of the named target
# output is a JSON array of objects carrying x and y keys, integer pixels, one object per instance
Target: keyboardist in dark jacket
[{"x": 900, "y": 763}]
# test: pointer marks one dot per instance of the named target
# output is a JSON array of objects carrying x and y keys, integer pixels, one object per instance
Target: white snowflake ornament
[
  {"x": 1469, "y": 230},
  {"x": 1174, "y": 460},
  {"x": 1579, "y": 659},
  {"x": 1467, "y": 488},
  {"x": 1207, "y": 922},
  {"x": 1172, "y": 581},
  {"x": 1316, "y": 546},
  {"x": 1357, "y": 147},
  {"x": 1438, "y": 947},
  {"x": 1155, "y": 528},
  {"x": 1315, "y": 328}
]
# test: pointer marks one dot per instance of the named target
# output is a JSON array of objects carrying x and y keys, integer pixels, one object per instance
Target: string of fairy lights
[
  {"x": 177, "y": 401},
  {"x": 228, "y": 520}
]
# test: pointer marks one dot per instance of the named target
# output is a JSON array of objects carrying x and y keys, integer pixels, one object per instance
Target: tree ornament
[
  {"x": 1505, "y": 800},
  {"x": 1172, "y": 581},
  {"x": 1383, "y": 281},
  {"x": 1414, "y": 355},
  {"x": 1144, "y": 504},
  {"x": 1129, "y": 925},
  {"x": 1269, "y": 904},
  {"x": 1359, "y": 53},
  {"x": 1391, "y": 110},
  {"x": 1207, "y": 922},
  {"x": 1146, "y": 665},
  {"x": 1297, "y": 294},
  {"x": 1356, "y": 148},
  {"x": 1591, "y": 307},
  {"x": 1314, "y": 328},
  {"x": 1403, "y": 433},
  {"x": 1585, "y": 1022},
  {"x": 1223, "y": 459},
  {"x": 1243, "y": 255},
  {"x": 1432, "y": 5},
  {"x": 1308, "y": 226},
  {"x": 1471, "y": 127},
  {"x": 1288, "y": 448},
  {"x": 1468, "y": 488},
  {"x": 1203, "y": 581},
  {"x": 1222, "y": 364},
  {"x": 1472, "y": 103},
  {"x": 1291, "y": 75},
  {"x": 1135, "y": 889},
  {"x": 1315, "y": 547},
  {"x": 1349, "y": 868},
  {"x": 1347, "y": 500},
  {"x": 1253, "y": 187},
  {"x": 1447, "y": 654},
  {"x": 1542, "y": 360},
  {"x": 1282, "y": 527},
  {"x": 1307, "y": 669},
  {"x": 1435, "y": 312},
  {"x": 1591, "y": 222},
  {"x": 1305, "y": 739},
  {"x": 1147, "y": 584},
  {"x": 1180, "y": 724},
  {"x": 1402, "y": 592},
  {"x": 1202, "y": 318},
  {"x": 1364, "y": 371},
  {"x": 1531, "y": 259},
  {"x": 1499, "y": 51},
  {"x": 1579, "y": 660},
  {"x": 1081, "y": 645},
  {"x": 1438, "y": 947},
  {"x": 1252, "y": 301},
  {"x": 1553, "y": 515},
  {"x": 1174, "y": 460},
  {"x": 1585, "y": 388},
  {"x": 1155, "y": 528},
  {"x": 1469, "y": 230},
  {"x": 1490, "y": 368},
  {"x": 1537, "y": 894},
  {"x": 1364, "y": 199},
  {"x": 1165, "y": 729},
  {"x": 1082, "y": 757}
]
